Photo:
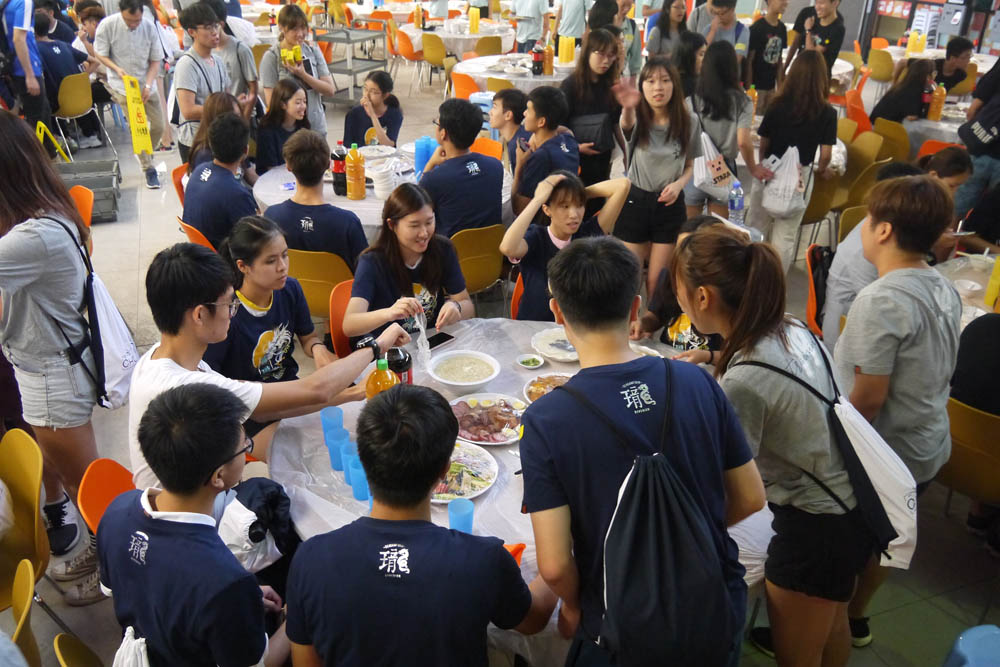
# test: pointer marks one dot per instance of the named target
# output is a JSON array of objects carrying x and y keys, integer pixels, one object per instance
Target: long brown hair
[
  {"x": 406, "y": 199},
  {"x": 584, "y": 89},
  {"x": 215, "y": 105},
  {"x": 748, "y": 277},
  {"x": 31, "y": 187},
  {"x": 680, "y": 122},
  {"x": 805, "y": 88},
  {"x": 914, "y": 80},
  {"x": 283, "y": 91}
]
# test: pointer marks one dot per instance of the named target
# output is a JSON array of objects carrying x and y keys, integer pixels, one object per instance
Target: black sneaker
[
  {"x": 61, "y": 525},
  {"x": 861, "y": 635},
  {"x": 152, "y": 180},
  {"x": 760, "y": 637}
]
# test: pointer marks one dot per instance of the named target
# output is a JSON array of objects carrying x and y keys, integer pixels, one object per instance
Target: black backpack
[{"x": 665, "y": 595}]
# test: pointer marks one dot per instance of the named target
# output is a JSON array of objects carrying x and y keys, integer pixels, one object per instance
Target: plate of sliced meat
[{"x": 489, "y": 419}]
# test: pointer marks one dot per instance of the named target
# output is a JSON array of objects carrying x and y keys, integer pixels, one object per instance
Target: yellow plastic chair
[
  {"x": 895, "y": 140},
  {"x": 318, "y": 273},
  {"x": 495, "y": 85},
  {"x": 966, "y": 85},
  {"x": 817, "y": 210},
  {"x": 23, "y": 592},
  {"x": 71, "y": 652},
  {"x": 861, "y": 153},
  {"x": 880, "y": 63},
  {"x": 479, "y": 256},
  {"x": 792, "y": 35},
  {"x": 846, "y": 129},
  {"x": 490, "y": 45},
  {"x": 263, "y": 20},
  {"x": 856, "y": 61},
  {"x": 859, "y": 188},
  {"x": 258, "y": 53},
  {"x": 849, "y": 219},
  {"x": 76, "y": 101},
  {"x": 449, "y": 86},
  {"x": 434, "y": 53}
]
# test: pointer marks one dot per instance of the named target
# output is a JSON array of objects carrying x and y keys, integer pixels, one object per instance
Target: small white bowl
[
  {"x": 981, "y": 262},
  {"x": 530, "y": 357},
  {"x": 464, "y": 387},
  {"x": 967, "y": 287}
]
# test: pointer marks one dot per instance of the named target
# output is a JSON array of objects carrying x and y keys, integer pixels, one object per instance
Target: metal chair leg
[
  {"x": 947, "y": 502},
  {"x": 100, "y": 121},
  {"x": 753, "y": 615},
  {"x": 65, "y": 143},
  {"x": 55, "y": 617}
]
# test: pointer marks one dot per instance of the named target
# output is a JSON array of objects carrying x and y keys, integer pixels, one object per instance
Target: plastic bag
[
  {"x": 784, "y": 195},
  {"x": 6, "y": 510},
  {"x": 132, "y": 652},
  {"x": 120, "y": 353},
  {"x": 711, "y": 173}
]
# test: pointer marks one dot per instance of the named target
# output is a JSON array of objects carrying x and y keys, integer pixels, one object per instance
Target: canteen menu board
[{"x": 895, "y": 8}]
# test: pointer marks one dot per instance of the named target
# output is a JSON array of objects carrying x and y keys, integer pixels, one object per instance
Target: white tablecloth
[
  {"x": 321, "y": 501},
  {"x": 963, "y": 268},
  {"x": 921, "y": 130},
  {"x": 477, "y": 68},
  {"x": 460, "y": 42},
  {"x": 400, "y": 10},
  {"x": 984, "y": 61},
  {"x": 278, "y": 184}
]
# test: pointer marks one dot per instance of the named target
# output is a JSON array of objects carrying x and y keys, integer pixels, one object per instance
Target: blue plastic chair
[{"x": 975, "y": 647}]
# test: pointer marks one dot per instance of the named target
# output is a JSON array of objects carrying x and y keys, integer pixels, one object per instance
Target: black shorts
[
  {"x": 817, "y": 554},
  {"x": 643, "y": 219}
]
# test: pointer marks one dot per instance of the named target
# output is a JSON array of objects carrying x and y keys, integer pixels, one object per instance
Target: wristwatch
[{"x": 369, "y": 341}]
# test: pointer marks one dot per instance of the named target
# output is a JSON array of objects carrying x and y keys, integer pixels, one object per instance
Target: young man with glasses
[
  {"x": 173, "y": 580},
  {"x": 717, "y": 21},
  {"x": 190, "y": 293},
  {"x": 198, "y": 72}
]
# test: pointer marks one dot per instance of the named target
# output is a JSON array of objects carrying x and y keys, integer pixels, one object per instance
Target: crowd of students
[{"x": 223, "y": 375}]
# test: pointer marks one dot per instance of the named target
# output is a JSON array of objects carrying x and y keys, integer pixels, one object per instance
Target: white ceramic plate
[
  {"x": 409, "y": 148},
  {"x": 376, "y": 152},
  {"x": 527, "y": 384},
  {"x": 516, "y": 70},
  {"x": 967, "y": 287},
  {"x": 642, "y": 349},
  {"x": 553, "y": 344},
  {"x": 472, "y": 461},
  {"x": 486, "y": 400}
]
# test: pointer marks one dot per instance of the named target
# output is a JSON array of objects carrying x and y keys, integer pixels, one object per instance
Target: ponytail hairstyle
[
  {"x": 283, "y": 91},
  {"x": 748, "y": 278},
  {"x": 382, "y": 79},
  {"x": 950, "y": 161},
  {"x": 409, "y": 198},
  {"x": 246, "y": 242},
  {"x": 215, "y": 105},
  {"x": 680, "y": 122}
]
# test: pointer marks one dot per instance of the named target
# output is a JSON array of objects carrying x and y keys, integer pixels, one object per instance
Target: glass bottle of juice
[
  {"x": 937, "y": 103},
  {"x": 752, "y": 94},
  {"x": 355, "y": 168},
  {"x": 547, "y": 59},
  {"x": 380, "y": 379}
]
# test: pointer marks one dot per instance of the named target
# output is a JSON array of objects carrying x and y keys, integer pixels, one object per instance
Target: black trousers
[{"x": 35, "y": 107}]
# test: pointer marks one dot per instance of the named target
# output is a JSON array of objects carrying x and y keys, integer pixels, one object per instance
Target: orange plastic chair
[
  {"x": 841, "y": 100},
  {"x": 880, "y": 43},
  {"x": 812, "y": 306},
  {"x": 405, "y": 47},
  {"x": 177, "y": 175},
  {"x": 516, "y": 550},
  {"x": 856, "y": 111},
  {"x": 339, "y": 297},
  {"x": 463, "y": 85},
  {"x": 195, "y": 236},
  {"x": 103, "y": 481},
  {"x": 932, "y": 146},
  {"x": 857, "y": 47},
  {"x": 349, "y": 15},
  {"x": 84, "y": 200},
  {"x": 454, "y": 13},
  {"x": 487, "y": 146},
  {"x": 515, "y": 298}
]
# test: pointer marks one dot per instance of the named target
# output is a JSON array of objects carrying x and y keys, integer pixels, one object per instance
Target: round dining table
[
  {"x": 457, "y": 38},
  {"x": 321, "y": 501},
  {"x": 946, "y": 129},
  {"x": 400, "y": 10},
  {"x": 984, "y": 61},
  {"x": 481, "y": 69}
]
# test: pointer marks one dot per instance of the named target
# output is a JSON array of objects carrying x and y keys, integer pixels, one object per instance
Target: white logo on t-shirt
[
  {"x": 473, "y": 167},
  {"x": 394, "y": 560},
  {"x": 307, "y": 224},
  {"x": 138, "y": 545},
  {"x": 563, "y": 146},
  {"x": 55, "y": 49},
  {"x": 205, "y": 174},
  {"x": 637, "y": 397}
]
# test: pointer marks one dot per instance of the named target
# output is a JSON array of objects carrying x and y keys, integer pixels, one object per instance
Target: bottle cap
[
  {"x": 340, "y": 142},
  {"x": 354, "y": 147},
  {"x": 736, "y": 183},
  {"x": 382, "y": 364}
]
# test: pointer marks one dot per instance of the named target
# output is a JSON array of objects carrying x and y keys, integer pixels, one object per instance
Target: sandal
[{"x": 164, "y": 149}]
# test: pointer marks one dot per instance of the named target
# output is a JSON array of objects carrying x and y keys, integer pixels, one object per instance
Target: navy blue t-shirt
[
  {"x": 62, "y": 32},
  {"x": 534, "y": 268},
  {"x": 512, "y": 146},
  {"x": 233, "y": 8},
  {"x": 374, "y": 283},
  {"x": 321, "y": 228},
  {"x": 260, "y": 342},
  {"x": 559, "y": 152},
  {"x": 357, "y": 123},
  {"x": 270, "y": 141},
  {"x": 59, "y": 60},
  {"x": 379, "y": 592},
  {"x": 215, "y": 200},
  {"x": 569, "y": 457},
  {"x": 466, "y": 192},
  {"x": 174, "y": 581}
]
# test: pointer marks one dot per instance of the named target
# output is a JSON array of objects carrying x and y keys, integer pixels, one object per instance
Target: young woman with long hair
[
  {"x": 45, "y": 337},
  {"x": 800, "y": 116},
  {"x": 215, "y": 105},
  {"x": 594, "y": 111},
  {"x": 662, "y": 138},
  {"x": 285, "y": 116},
  {"x": 688, "y": 56},
  {"x": 378, "y": 118},
  {"x": 407, "y": 271},
  {"x": 725, "y": 114},
  {"x": 732, "y": 287},
  {"x": 904, "y": 100},
  {"x": 665, "y": 35}
]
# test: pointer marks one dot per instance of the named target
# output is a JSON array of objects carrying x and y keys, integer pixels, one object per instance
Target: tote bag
[
  {"x": 784, "y": 195},
  {"x": 711, "y": 173}
]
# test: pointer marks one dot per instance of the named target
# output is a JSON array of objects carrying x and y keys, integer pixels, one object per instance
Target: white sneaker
[
  {"x": 90, "y": 142},
  {"x": 86, "y": 591},
  {"x": 62, "y": 522},
  {"x": 80, "y": 565}
]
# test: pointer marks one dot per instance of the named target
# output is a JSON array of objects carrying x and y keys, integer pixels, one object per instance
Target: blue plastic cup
[
  {"x": 332, "y": 417},
  {"x": 460, "y": 511},
  {"x": 422, "y": 151},
  {"x": 335, "y": 437},
  {"x": 347, "y": 450},
  {"x": 359, "y": 482}
]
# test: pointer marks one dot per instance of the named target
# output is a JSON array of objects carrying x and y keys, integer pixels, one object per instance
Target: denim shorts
[{"x": 55, "y": 393}]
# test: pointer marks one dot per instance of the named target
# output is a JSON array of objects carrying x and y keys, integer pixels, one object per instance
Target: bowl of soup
[{"x": 464, "y": 370}]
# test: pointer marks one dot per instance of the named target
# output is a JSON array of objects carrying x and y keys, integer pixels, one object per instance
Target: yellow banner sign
[{"x": 141, "y": 142}]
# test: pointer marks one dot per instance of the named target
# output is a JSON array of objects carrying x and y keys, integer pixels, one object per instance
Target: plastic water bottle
[{"x": 736, "y": 203}]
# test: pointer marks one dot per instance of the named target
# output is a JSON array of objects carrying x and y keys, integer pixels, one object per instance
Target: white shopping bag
[
  {"x": 892, "y": 480},
  {"x": 234, "y": 529},
  {"x": 120, "y": 353},
  {"x": 132, "y": 652},
  {"x": 711, "y": 173},
  {"x": 6, "y": 510},
  {"x": 784, "y": 195}
]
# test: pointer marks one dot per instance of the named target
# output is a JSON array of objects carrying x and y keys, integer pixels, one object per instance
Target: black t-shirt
[
  {"x": 984, "y": 219},
  {"x": 896, "y": 106},
  {"x": 830, "y": 37},
  {"x": 949, "y": 82},
  {"x": 978, "y": 365},
  {"x": 766, "y": 44},
  {"x": 597, "y": 102},
  {"x": 784, "y": 130},
  {"x": 988, "y": 84}
]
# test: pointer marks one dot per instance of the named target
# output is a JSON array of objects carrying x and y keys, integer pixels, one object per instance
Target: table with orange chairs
[
  {"x": 503, "y": 67},
  {"x": 457, "y": 38},
  {"x": 984, "y": 61},
  {"x": 400, "y": 10},
  {"x": 946, "y": 129}
]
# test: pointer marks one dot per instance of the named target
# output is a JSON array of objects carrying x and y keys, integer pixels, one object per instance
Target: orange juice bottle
[
  {"x": 937, "y": 103},
  {"x": 752, "y": 94},
  {"x": 355, "y": 168},
  {"x": 380, "y": 379},
  {"x": 547, "y": 59}
]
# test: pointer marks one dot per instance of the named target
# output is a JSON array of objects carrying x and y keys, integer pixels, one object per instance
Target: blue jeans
[
  {"x": 525, "y": 47},
  {"x": 985, "y": 177}
]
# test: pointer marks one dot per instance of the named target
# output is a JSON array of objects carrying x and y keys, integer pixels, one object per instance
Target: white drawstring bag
[
  {"x": 6, "y": 510},
  {"x": 132, "y": 652},
  {"x": 711, "y": 173},
  {"x": 784, "y": 195}
]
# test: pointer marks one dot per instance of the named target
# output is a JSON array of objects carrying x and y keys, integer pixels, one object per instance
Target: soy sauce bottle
[{"x": 400, "y": 363}]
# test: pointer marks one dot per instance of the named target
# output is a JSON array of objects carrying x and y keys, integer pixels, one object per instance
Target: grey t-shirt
[
  {"x": 132, "y": 50},
  {"x": 271, "y": 71},
  {"x": 657, "y": 44},
  {"x": 41, "y": 283},
  {"x": 737, "y": 34},
  {"x": 723, "y": 131},
  {"x": 906, "y": 325},
  {"x": 240, "y": 65},
  {"x": 849, "y": 274},
  {"x": 661, "y": 160},
  {"x": 202, "y": 77}
]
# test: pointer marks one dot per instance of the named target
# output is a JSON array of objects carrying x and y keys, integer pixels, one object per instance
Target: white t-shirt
[{"x": 150, "y": 378}]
